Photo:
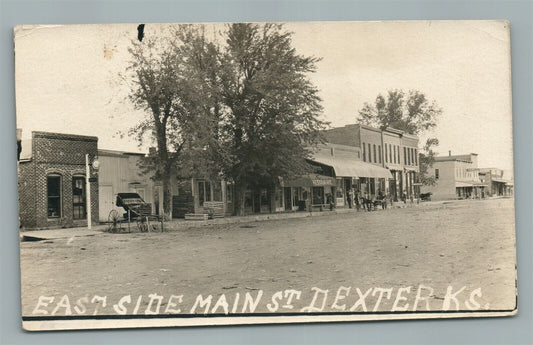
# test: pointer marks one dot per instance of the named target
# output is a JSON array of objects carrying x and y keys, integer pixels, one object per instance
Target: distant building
[
  {"x": 51, "y": 180},
  {"x": 457, "y": 177},
  {"x": 120, "y": 172},
  {"x": 391, "y": 149},
  {"x": 498, "y": 184}
]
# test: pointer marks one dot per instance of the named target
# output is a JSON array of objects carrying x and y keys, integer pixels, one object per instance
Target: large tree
[
  {"x": 243, "y": 108},
  {"x": 411, "y": 112},
  {"x": 165, "y": 84},
  {"x": 271, "y": 109},
  {"x": 426, "y": 160}
]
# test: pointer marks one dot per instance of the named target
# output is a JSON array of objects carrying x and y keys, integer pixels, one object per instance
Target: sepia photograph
[{"x": 200, "y": 174}]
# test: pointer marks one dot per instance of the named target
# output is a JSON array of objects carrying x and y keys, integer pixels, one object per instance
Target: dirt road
[{"x": 458, "y": 255}]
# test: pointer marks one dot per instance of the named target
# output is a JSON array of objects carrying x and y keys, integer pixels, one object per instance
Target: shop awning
[
  {"x": 352, "y": 168},
  {"x": 469, "y": 184},
  {"x": 500, "y": 180},
  {"x": 463, "y": 184},
  {"x": 310, "y": 180}
]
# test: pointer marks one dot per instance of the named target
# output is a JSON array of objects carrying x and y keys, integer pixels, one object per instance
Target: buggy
[{"x": 137, "y": 210}]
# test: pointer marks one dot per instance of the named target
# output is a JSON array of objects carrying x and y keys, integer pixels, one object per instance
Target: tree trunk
[
  {"x": 239, "y": 199},
  {"x": 167, "y": 197}
]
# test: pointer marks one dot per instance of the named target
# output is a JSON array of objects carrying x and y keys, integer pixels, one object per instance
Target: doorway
[{"x": 288, "y": 198}]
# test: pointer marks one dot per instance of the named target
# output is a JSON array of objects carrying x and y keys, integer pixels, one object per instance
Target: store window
[
  {"x": 369, "y": 153},
  {"x": 375, "y": 156},
  {"x": 53, "y": 183},
  {"x": 398, "y": 153},
  {"x": 390, "y": 153},
  {"x": 318, "y": 195},
  {"x": 217, "y": 191},
  {"x": 379, "y": 150},
  {"x": 264, "y": 199},
  {"x": 364, "y": 152},
  {"x": 437, "y": 174},
  {"x": 279, "y": 198},
  {"x": 204, "y": 192},
  {"x": 296, "y": 191},
  {"x": 229, "y": 192},
  {"x": 78, "y": 198},
  {"x": 248, "y": 201}
]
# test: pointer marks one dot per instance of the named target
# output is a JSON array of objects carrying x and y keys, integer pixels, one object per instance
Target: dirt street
[{"x": 456, "y": 255}]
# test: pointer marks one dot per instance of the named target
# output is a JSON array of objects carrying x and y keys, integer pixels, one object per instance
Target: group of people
[{"x": 365, "y": 201}]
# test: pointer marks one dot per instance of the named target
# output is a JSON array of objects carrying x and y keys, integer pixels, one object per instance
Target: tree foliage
[
  {"x": 426, "y": 160},
  {"x": 165, "y": 86},
  {"x": 271, "y": 107},
  {"x": 410, "y": 112},
  {"x": 243, "y": 108}
]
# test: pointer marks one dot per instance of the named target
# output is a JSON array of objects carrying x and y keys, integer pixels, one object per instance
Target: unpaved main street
[{"x": 394, "y": 260}]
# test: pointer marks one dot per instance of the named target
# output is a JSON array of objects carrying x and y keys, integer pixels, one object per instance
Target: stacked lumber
[
  {"x": 217, "y": 208},
  {"x": 196, "y": 216}
]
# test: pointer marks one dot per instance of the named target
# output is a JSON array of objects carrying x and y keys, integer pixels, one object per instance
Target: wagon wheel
[
  {"x": 155, "y": 225},
  {"x": 114, "y": 222},
  {"x": 142, "y": 224}
]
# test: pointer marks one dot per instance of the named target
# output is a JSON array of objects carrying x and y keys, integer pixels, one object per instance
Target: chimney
[{"x": 450, "y": 153}]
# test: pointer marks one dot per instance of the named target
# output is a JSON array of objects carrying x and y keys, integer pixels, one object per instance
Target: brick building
[
  {"x": 52, "y": 188},
  {"x": 390, "y": 148},
  {"x": 344, "y": 164}
]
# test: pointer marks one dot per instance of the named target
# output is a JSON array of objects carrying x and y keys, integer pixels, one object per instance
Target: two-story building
[
  {"x": 456, "y": 177},
  {"x": 344, "y": 163},
  {"x": 389, "y": 148}
]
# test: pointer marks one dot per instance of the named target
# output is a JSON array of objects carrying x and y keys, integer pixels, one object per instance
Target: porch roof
[
  {"x": 469, "y": 184},
  {"x": 501, "y": 180},
  {"x": 344, "y": 167}
]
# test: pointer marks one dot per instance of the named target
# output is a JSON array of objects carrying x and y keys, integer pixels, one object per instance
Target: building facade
[
  {"x": 120, "y": 172},
  {"x": 456, "y": 177},
  {"x": 52, "y": 180},
  {"x": 498, "y": 182},
  {"x": 391, "y": 149},
  {"x": 202, "y": 195},
  {"x": 350, "y": 173}
]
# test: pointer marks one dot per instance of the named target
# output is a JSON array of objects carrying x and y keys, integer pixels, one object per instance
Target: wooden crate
[{"x": 196, "y": 216}]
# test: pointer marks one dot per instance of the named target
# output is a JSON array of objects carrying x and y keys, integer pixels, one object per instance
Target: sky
[{"x": 68, "y": 78}]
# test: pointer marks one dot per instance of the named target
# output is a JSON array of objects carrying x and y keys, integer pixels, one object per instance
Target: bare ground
[{"x": 423, "y": 250}]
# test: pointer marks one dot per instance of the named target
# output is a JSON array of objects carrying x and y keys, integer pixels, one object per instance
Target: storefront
[
  {"x": 52, "y": 181},
  {"x": 311, "y": 192},
  {"x": 202, "y": 196},
  {"x": 353, "y": 176},
  {"x": 469, "y": 190}
]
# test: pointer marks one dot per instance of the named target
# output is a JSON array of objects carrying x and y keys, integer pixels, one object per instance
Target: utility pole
[{"x": 88, "y": 190}]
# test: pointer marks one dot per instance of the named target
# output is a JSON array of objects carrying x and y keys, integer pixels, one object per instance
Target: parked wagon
[
  {"x": 425, "y": 196},
  {"x": 136, "y": 210}
]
